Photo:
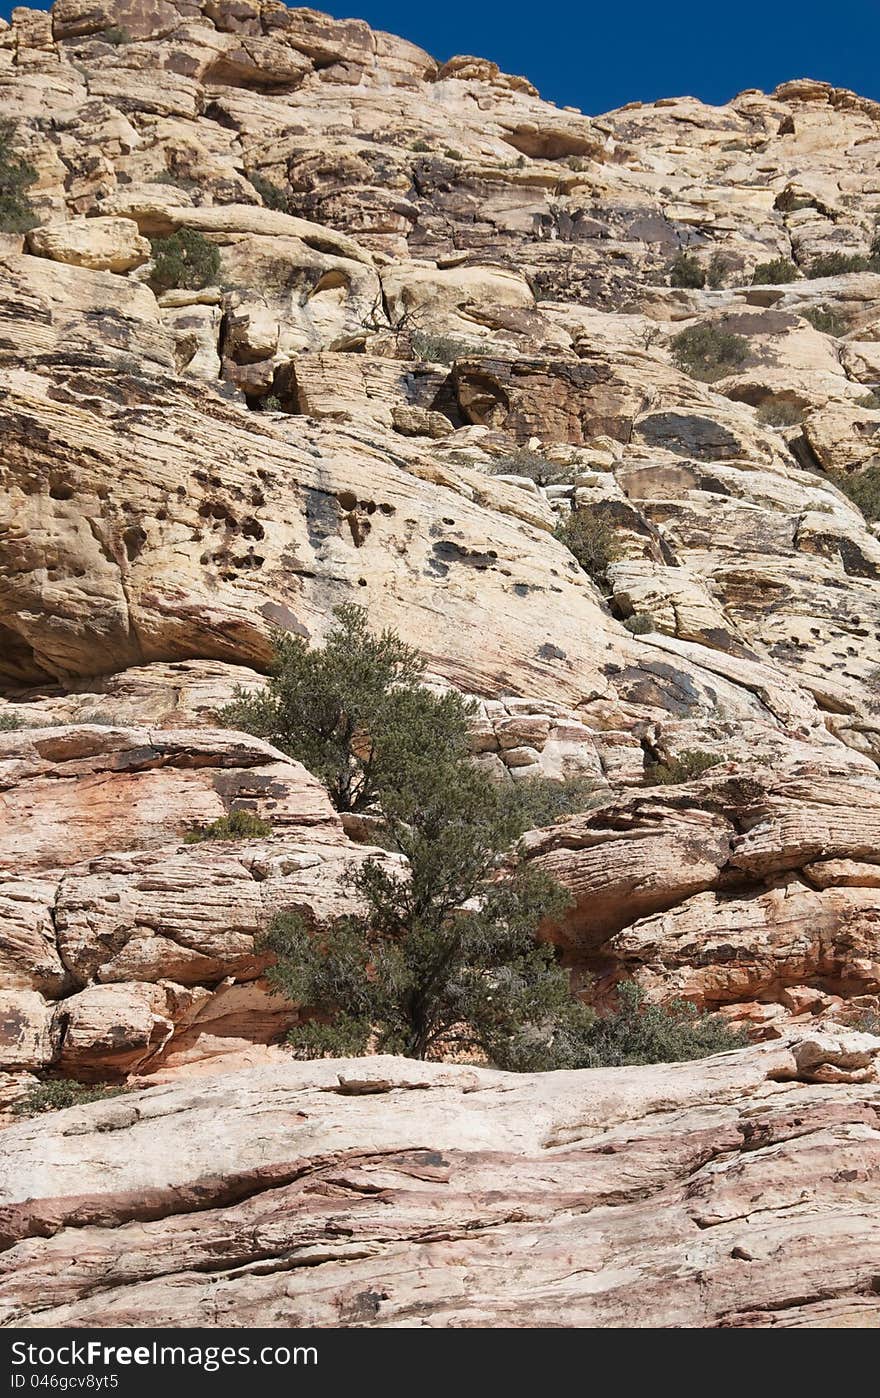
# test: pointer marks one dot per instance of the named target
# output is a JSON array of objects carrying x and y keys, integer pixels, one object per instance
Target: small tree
[
  {"x": 445, "y": 958},
  {"x": 685, "y": 270},
  {"x": 185, "y": 261},
  {"x": 16, "y": 176},
  {"x": 354, "y": 712},
  {"x": 589, "y": 537}
]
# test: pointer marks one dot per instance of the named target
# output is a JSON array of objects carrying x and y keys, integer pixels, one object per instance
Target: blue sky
[{"x": 597, "y": 56}]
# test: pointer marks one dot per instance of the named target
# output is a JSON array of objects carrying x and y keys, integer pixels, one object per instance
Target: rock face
[
  {"x": 442, "y": 317},
  {"x": 740, "y": 1192}
]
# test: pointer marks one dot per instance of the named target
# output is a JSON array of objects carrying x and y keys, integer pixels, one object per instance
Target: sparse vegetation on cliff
[
  {"x": 708, "y": 352},
  {"x": 184, "y": 261},
  {"x": 16, "y": 176}
]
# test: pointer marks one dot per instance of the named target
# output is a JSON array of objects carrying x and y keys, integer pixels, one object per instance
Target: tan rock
[{"x": 103, "y": 244}]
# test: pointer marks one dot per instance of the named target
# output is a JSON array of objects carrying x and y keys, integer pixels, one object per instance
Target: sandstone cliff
[{"x": 462, "y": 278}]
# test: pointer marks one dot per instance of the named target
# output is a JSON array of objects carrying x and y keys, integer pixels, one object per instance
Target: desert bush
[
  {"x": 862, "y": 487},
  {"x": 683, "y": 768},
  {"x": 420, "y": 146},
  {"x": 590, "y": 538},
  {"x": 271, "y": 195},
  {"x": 834, "y": 264},
  {"x": 9, "y": 723},
  {"x": 56, "y": 1093},
  {"x": 438, "y": 349},
  {"x": 452, "y": 154},
  {"x": 708, "y": 352},
  {"x": 531, "y": 464},
  {"x": 185, "y": 261},
  {"x": 686, "y": 270},
  {"x": 640, "y": 1033},
  {"x": 238, "y": 825},
  {"x": 828, "y": 322},
  {"x": 640, "y": 623},
  {"x": 775, "y": 272},
  {"x": 779, "y": 412},
  {"x": 16, "y": 176},
  {"x": 717, "y": 271},
  {"x": 115, "y": 35}
]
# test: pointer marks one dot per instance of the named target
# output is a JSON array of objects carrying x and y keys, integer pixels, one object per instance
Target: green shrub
[
  {"x": 420, "y": 147},
  {"x": 828, "y": 322},
  {"x": 685, "y": 270},
  {"x": 271, "y": 195},
  {"x": 684, "y": 768},
  {"x": 238, "y": 825},
  {"x": 272, "y": 403},
  {"x": 590, "y": 538},
  {"x": 9, "y": 723},
  {"x": 708, "y": 352},
  {"x": 775, "y": 273},
  {"x": 452, "y": 154},
  {"x": 444, "y": 957},
  {"x": 870, "y": 400},
  {"x": 16, "y": 176},
  {"x": 834, "y": 264},
  {"x": 531, "y": 464},
  {"x": 639, "y": 1033},
  {"x": 57, "y": 1093},
  {"x": 438, "y": 349},
  {"x": 185, "y": 261},
  {"x": 114, "y": 35},
  {"x": 863, "y": 488},
  {"x": 779, "y": 412},
  {"x": 640, "y": 623},
  {"x": 352, "y": 711},
  {"x": 717, "y": 271}
]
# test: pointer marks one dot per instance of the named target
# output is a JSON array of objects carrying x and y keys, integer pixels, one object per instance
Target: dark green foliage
[
  {"x": 684, "y": 768},
  {"x": 438, "y": 349},
  {"x": 354, "y": 713},
  {"x": 717, "y": 271},
  {"x": 828, "y": 322},
  {"x": 185, "y": 261},
  {"x": 590, "y": 538},
  {"x": 16, "y": 176},
  {"x": 639, "y": 1033},
  {"x": 420, "y": 146},
  {"x": 708, "y": 352},
  {"x": 452, "y": 154},
  {"x": 424, "y": 977},
  {"x": 863, "y": 488},
  {"x": 541, "y": 801},
  {"x": 531, "y": 464},
  {"x": 774, "y": 273},
  {"x": 686, "y": 270},
  {"x": 114, "y": 35},
  {"x": 57, "y": 1093},
  {"x": 272, "y": 403},
  {"x": 788, "y": 202},
  {"x": 834, "y": 264},
  {"x": 640, "y": 623},
  {"x": 9, "y": 723},
  {"x": 238, "y": 825},
  {"x": 271, "y": 195},
  {"x": 870, "y": 400},
  {"x": 779, "y": 412}
]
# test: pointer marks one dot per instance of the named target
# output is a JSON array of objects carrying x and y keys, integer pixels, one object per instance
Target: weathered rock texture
[
  {"x": 739, "y": 1192},
  {"x": 429, "y": 280}
]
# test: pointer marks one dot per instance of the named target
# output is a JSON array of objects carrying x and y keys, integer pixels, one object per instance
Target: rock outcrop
[
  {"x": 440, "y": 316},
  {"x": 739, "y": 1192}
]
